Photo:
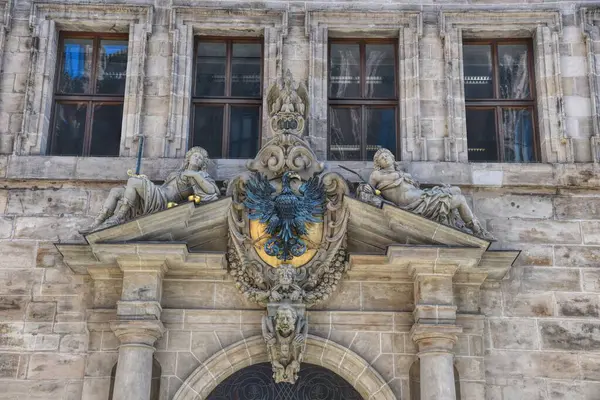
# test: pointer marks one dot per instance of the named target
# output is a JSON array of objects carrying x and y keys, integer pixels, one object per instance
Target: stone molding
[
  {"x": 46, "y": 20},
  {"x": 590, "y": 26},
  {"x": 138, "y": 332},
  {"x": 545, "y": 27},
  {"x": 407, "y": 28},
  {"x": 187, "y": 23},
  {"x": 435, "y": 338},
  {"x": 344, "y": 362}
]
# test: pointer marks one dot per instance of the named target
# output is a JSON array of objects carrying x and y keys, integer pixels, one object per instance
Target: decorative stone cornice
[{"x": 138, "y": 332}]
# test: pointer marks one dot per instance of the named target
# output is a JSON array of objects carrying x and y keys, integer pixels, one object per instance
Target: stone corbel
[{"x": 434, "y": 296}]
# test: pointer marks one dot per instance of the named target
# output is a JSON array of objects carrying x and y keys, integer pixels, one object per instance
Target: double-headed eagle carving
[{"x": 287, "y": 213}]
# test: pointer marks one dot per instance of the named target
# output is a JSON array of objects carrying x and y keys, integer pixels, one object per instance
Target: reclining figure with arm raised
[
  {"x": 442, "y": 204},
  {"x": 141, "y": 196}
]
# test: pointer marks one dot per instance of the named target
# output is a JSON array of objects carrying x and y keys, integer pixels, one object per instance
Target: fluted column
[{"x": 134, "y": 369}]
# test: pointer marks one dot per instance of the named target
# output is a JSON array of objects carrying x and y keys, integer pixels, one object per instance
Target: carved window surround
[
  {"x": 545, "y": 28},
  {"x": 46, "y": 21},
  {"x": 407, "y": 27},
  {"x": 590, "y": 26},
  {"x": 187, "y": 22}
]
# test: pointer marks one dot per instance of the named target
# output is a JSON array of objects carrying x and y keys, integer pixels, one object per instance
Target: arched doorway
[{"x": 256, "y": 383}]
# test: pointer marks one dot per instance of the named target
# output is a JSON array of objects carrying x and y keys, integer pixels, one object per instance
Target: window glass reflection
[
  {"x": 211, "y": 61},
  {"x": 208, "y": 129},
  {"x": 344, "y": 67},
  {"x": 344, "y": 133},
  {"x": 106, "y": 129},
  {"x": 243, "y": 132},
  {"x": 76, "y": 67},
  {"x": 69, "y": 129},
  {"x": 514, "y": 71},
  {"x": 517, "y": 126},
  {"x": 381, "y": 130},
  {"x": 112, "y": 67},
  {"x": 481, "y": 134},
  {"x": 245, "y": 69},
  {"x": 379, "y": 72},
  {"x": 478, "y": 74}
]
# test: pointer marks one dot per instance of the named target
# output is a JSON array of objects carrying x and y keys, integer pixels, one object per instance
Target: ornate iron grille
[{"x": 256, "y": 383}]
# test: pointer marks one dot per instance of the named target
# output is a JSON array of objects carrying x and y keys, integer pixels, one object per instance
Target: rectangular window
[
  {"x": 88, "y": 96},
  {"x": 227, "y": 97},
  {"x": 500, "y": 101},
  {"x": 363, "y": 98}
]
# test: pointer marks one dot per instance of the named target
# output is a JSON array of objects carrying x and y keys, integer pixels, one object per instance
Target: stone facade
[{"x": 532, "y": 334}]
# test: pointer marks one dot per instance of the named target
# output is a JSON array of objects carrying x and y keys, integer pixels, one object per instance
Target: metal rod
[{"x": 138, "y": 164}]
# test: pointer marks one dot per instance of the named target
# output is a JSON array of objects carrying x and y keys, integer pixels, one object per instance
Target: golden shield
[{"x": 312, "y": 240}]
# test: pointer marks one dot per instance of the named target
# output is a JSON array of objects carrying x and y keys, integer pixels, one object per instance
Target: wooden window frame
[
  {"x": 91, "y": 99},
  {"x": 363, "y": 102},
  {"x": 226, "y": 101},
  {"x": 497, "y": 104}
]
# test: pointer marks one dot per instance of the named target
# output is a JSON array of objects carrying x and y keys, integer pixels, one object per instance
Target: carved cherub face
[
  {"x": 285, "y": 320},
  {"x": 383, "y": 159},
  {"x": 286, "y": 275}
]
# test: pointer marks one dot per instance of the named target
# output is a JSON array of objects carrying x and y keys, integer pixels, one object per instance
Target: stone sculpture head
[
  {"x": 285, "y": 320},
  {"x": 196, "y": 159},
  {"x": 286, "y": 275},
  {"x": 383, "y": 158}
]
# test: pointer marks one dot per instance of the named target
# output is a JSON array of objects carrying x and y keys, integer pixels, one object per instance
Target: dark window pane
[
  {"x": 245, "y": 70},
  {"x": 517, "y": 127},
  {"x": 514, "y": 71},
  {"x": 381, "y": 130},
  {"x": 243, "y": 132},
  {"x": 208, "y": 129},
  {"x": 344, "y": 133},
  {"x": 380, "y": 71},
  {"x": 76, "y": 66},
  {"x": 112, "y": 67},
  {"x": 106, "y": 129},
  {"x": 481, "y": 135},
  {"x": 478, "y": 71},
  {"x": 69, "y": 129},
  {"x": 344, "y": 67},
  {"x": 210, "y": 69}
]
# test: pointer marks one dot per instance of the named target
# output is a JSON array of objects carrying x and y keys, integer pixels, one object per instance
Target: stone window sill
[{"x": 114, "y": 169}]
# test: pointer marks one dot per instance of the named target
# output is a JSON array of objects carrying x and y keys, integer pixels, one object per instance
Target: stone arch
[{"x": 319, "y": 351}]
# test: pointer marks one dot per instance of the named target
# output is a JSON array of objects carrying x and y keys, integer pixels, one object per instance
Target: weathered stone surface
[
  {"x": 543, "y": 232},
  {"x": 591, "y": 281},
  {"x": 56, "y": 366},
  {"x": 48, "y": 201},
  {"x": 570, "y": 335},
  {"x": 542, "y": 279},
  {"x": 578, "y": 305},
  {"x": 577, "y": 256},
  {"x": 572, "y": 207},
  {"x": 512, "y": 206},
  {"x": 513, "y": 333},
  {"x": 591, "y": 232},
  {"x": 517, "y": 364}
]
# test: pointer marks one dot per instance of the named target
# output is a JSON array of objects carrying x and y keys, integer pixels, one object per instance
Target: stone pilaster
[
  {"x": 435, "y": 331},
  {"x": 436, "y": 343},
  {"x": 134, "y": 369},
  {"x": 138, "y": 325}
]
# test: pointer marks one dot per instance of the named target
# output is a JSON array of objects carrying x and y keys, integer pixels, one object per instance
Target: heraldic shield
[{"x": 287, "y": 223}]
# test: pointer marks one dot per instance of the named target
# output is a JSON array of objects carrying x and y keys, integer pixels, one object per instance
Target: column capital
[
  {"x": 435, "y": 338},
  {"x": 138, "y": 332}
]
